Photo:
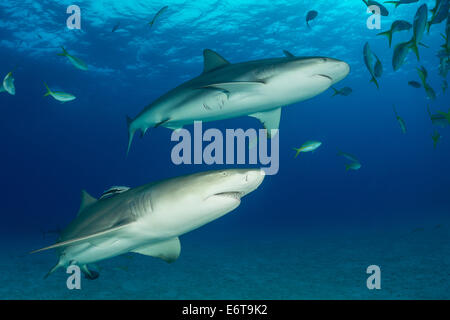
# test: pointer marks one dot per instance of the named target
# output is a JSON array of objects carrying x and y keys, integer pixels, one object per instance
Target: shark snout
[
  {"x": 253, "y": 179},
  {"x": 337, "y": 70}
]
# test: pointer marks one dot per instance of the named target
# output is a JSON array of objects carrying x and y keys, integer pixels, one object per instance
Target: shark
[
  {"x": 149, "y": 219},
  {"x": 225, "y": 90}
]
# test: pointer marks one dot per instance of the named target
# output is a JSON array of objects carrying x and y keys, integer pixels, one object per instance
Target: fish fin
[
  {"x": 236, "y": 86},
  {"x": 213, "y": 61},
  {"x": 168, "y": 250},
  {"x": 414, "y": 48},
  {"x": 49, "y": 92},
  {"x": 86, "y": 201},
  {"x": 387, "y": 34},
  {"x": 336, "y": 92},
  {"x": 89, "y": 274},
  {"x": 173, "y": 127},
  {"x": 299, "y": 150},
  {"x": 288, "y": 54},
  {"x": 52, "y": 270},
  {"x": 269, "y": 119},
  {"x": 374, "y": 80},
  {"x": 76, "y": 241},
  {"x": 424, "y": 45},
  {"x": 131, "y": 133},
  {"x": 347, "y": 167},
  {"x": 2, "y": 89},
  {"x": 64, "y": 53},
  {"x": 143, "y": 132}
]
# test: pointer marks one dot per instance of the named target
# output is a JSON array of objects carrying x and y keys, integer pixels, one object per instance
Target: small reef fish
[
  {"x": 308, "y": 146},
  {"x": 436, "y": 138},
  {"x": 348, "y": 156},
  {"x": 77, "y": 62},
  {"x": 438, "y": 119},
  {"x": 159, "y": 13},
  {"x": 423, "y": 75},
  {"x": 397, "y": 26},
  {"x": 446, "y": 115},
  {"x": 368, "y": 60},
  {"x": 311, "y": 15},
  {"x": 8, "y": 84},
  {"x": 383, "y": 11},
  {"x": 59, "y": 96},
  {"x": 378, "y": 69},
  {"x": 400, "y": 2},
  {"x": 346, "y": 91},
  {"x": 355, "y": 166},
  {"x": 400, "y": 121},
  {"x": 439, "y": 13},
  {"x": 444, "y": 86},
  {"x": 415, "y": 84},
  {"x": 116, "y": 27}
]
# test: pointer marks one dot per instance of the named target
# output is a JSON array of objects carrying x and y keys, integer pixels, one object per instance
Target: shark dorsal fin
[
  {"x": 213, "y": 60},
  {"x": 86, "y": 201}
]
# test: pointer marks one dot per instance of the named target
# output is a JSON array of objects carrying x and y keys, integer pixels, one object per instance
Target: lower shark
[
  {"x": 149, "y": 219},
  {"x": 257, "y": 88}
]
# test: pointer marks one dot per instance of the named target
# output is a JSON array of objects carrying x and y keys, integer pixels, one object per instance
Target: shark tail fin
[
  {"x": 63, "y": 53},
  {"x": 388, "y": 34},
  {"x": 131, "y": 133},
  {"x": 49, "y": 92}
]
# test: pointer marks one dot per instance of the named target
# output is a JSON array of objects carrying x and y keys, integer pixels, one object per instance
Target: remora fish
[
  {"x": 149, "y": 219},
  {"x": 257, "y": 88}
]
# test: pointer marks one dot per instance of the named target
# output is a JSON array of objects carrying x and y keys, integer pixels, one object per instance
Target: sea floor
[{"x": 414, "y": 264}]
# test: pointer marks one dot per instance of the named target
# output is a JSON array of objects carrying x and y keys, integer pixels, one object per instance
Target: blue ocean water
[{"x": 309, "y": 232}]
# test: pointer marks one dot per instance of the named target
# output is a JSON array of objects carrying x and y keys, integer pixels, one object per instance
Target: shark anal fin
[
  {"x": 168, "y": 250},
  {"x": 269, "y": 119},
  {"x": 213, "y": 61}
]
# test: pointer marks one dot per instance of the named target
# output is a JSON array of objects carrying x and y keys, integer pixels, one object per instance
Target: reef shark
[
  {"x": 257, "y": 88},
  {"x": 149, "y": 219}
]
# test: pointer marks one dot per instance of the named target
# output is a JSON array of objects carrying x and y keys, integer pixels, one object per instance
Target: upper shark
[
  {"x": 257, "y": 88},
  {"x": 149, "y": 219}
]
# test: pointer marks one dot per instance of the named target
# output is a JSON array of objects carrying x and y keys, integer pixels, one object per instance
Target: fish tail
[
  {"x": 63, "y": 53},
  {"x": 336, "y": 92},
  {"x": 347, "y": 167},
  {"x": 298, "y": 152},
  {"x": 374, "y": 80},
  {"x": 131, "y": 133},
  {"x": 388, "y": 34},
  {"x": 49, "y": 92},
  {"x": 415, "y": 48}
]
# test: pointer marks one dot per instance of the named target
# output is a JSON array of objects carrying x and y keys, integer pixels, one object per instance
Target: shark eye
[{"x": 224, "y": 174}]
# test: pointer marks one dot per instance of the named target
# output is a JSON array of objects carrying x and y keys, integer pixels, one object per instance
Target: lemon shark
[
  {"x": 149, "y": 219},
  {"x": 224, "y": 90}
]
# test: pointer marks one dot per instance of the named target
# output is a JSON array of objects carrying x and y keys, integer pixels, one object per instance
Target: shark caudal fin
[
  {"x": 49, "y": 92},
  {"x": 131, "y": 133},
  {"x": 64, "y": 53},
  {"x": 388, "y": 34}
]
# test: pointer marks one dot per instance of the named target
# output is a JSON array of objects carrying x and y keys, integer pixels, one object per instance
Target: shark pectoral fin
[
  {"x": 86, "y": 201},
  {"x": 173, "y": 127},
  {"x": 237, "y": 86},
  {"x": 168, "y": 250},
  {"x": 213, "y": 61},
  {"x": 80, "y": 240},
  {"x": 288, "y": 54},
  {"x": 269, "y": 119}
]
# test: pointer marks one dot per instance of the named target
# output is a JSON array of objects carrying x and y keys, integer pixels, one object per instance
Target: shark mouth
[
  {"x": 325, "y": 76},
  {"x": 232, "y": 195}
]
